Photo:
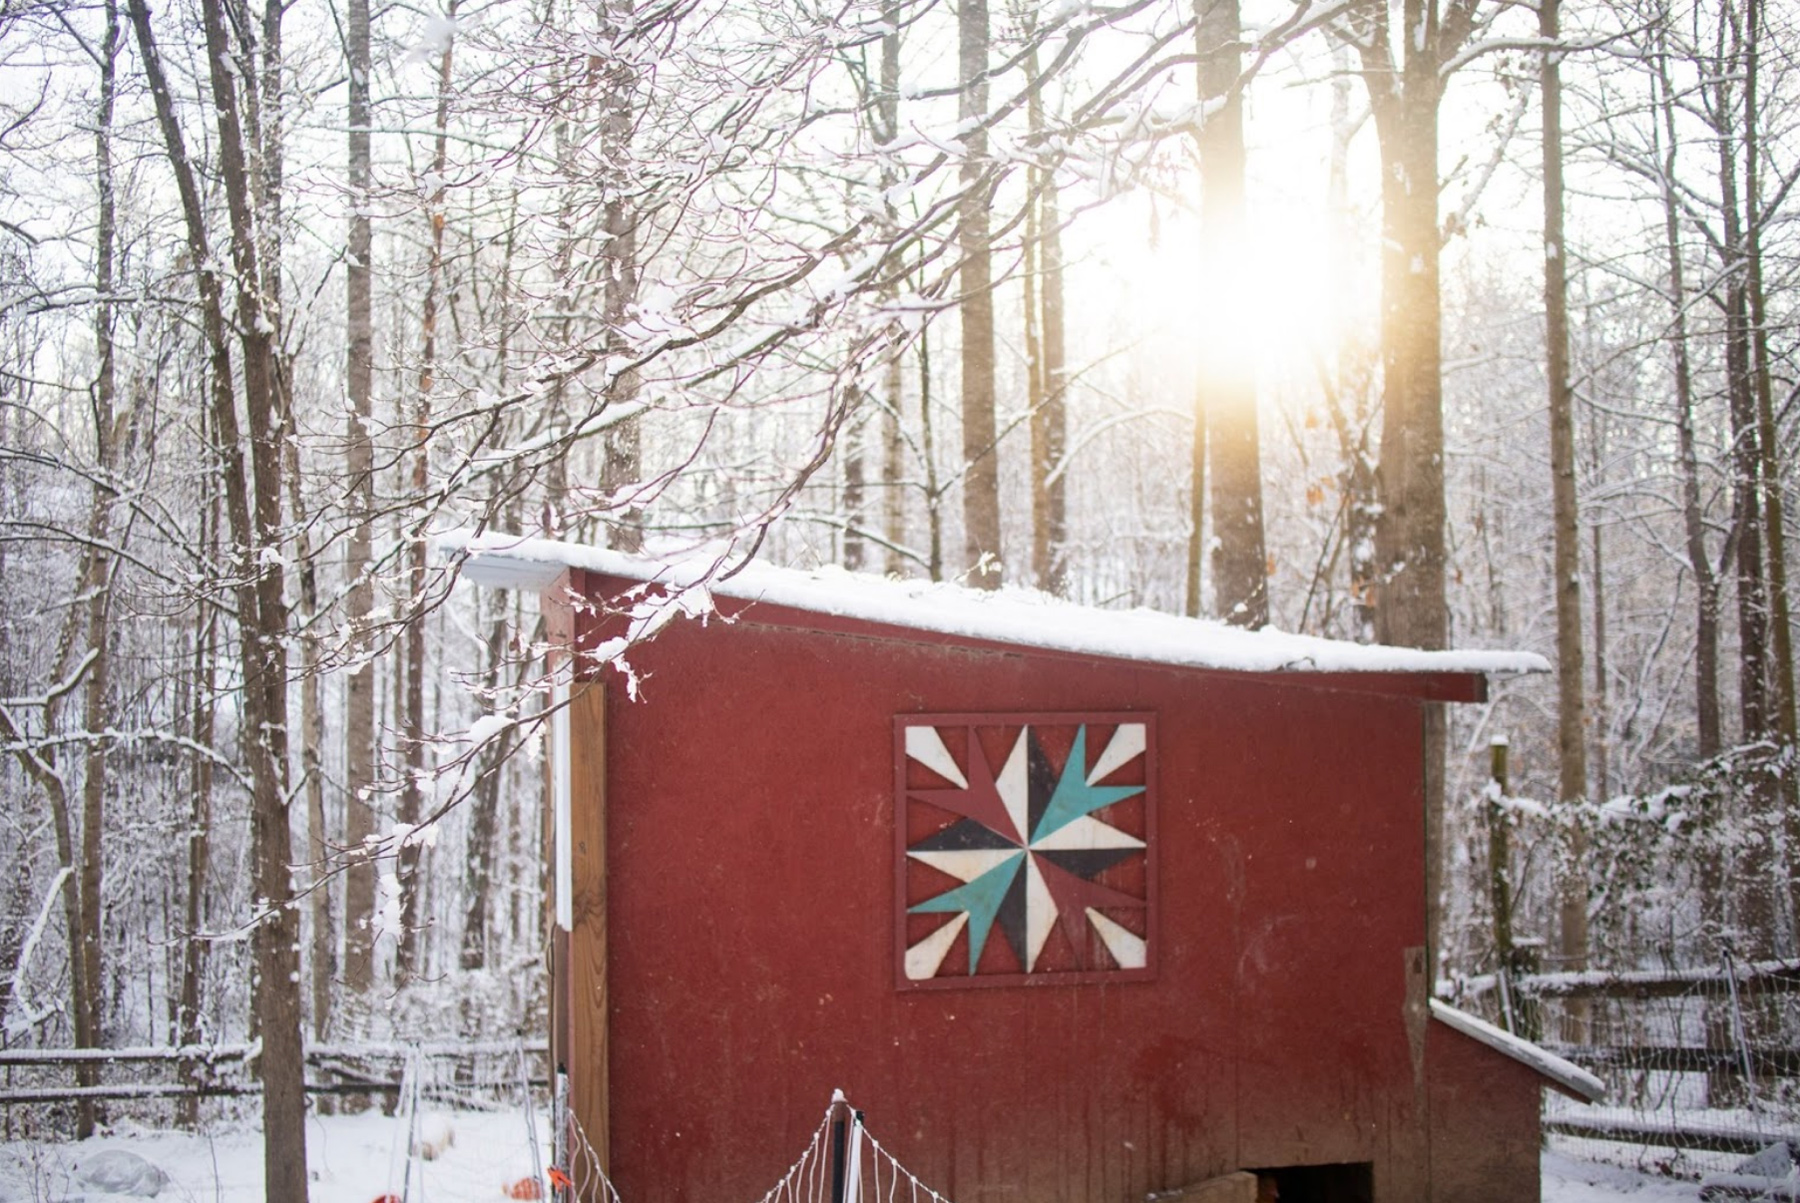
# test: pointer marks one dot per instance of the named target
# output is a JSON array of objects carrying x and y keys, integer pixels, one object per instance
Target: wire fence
[
  {"x": 1702, "y": 1068},
  {"x": 1702, "y": 1065},
  {"x": 40, "y": 1087},
  {"x": 841, "y": 1163}
]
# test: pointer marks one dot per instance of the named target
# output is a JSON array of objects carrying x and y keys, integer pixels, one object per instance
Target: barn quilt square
[{"x": 1025, "y": 848}]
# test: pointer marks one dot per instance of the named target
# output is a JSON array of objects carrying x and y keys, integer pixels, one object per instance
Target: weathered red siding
[
  {"x": 750, "y": 903},
  {"x": 1484, "y": 1123}
]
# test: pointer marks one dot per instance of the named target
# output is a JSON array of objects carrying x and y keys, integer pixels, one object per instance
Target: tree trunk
[
  {"x": 323, "y": 940},
  {"x": 1602, "y": 739},
  {"x": 1350, "y": 395},
  {"x": 1571, "y": 677},
  {"x": 1410, "y": 556},
  {"x": 934, "y": 489},
  {"x": 413, "y": 732},
  {"x": 1228, "y": 373},
  {"x": 981, "y": 453},
  {"x": 1782, "y": 669},
  {"x": 1031, "y": 250},
  {"x": 1706, "y": 584},
  {"x": 855, "y": 482},
  {"x": 478, "y": 873},
  {"x": 893, "y": 443},
  {"x": 893, "y": 462},
  {"x": 1746, "y": 455},
  {"x": 1196, "y": 545},
  {"x": 97, "y": 586},
  {"x": 359, "y": 465},
  {"x": 194, "y": 948},
  {"x": 1755, "y": 868},
  {"x": 623, "y": 467},
  {"x": 1409, "y": 537},
  {"x": 1045, "y": 355}
]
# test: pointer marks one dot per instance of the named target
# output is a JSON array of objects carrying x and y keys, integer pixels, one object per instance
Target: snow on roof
[
  {"x": 1565, "y": 1075},
  {"x": 1011, "y": 615}
]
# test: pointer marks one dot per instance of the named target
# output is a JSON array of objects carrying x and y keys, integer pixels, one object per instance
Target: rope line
[{"x": 871, "y": 1174}]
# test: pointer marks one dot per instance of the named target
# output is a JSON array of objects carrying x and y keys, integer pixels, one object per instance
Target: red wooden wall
[{"x": 750, "y": 899}]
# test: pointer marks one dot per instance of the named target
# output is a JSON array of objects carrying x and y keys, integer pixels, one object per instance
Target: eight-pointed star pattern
[{"x": 1027, "y": 845}]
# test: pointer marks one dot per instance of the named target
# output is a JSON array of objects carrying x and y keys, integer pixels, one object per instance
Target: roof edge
[{"x": 1020, "y": 617}]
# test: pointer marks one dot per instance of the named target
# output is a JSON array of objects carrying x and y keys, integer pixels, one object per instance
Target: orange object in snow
[
  {"x": 561, "y": 1180},
  {"x": 388, "y": 1198},
  {"x": 525, "y": 1188}
]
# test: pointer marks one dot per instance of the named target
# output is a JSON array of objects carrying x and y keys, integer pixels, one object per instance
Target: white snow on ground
[
  {"x": 352, "y": 1158},
  {"x": 1571, "y": 1180},
  {"x": 357, "y": 1158}
]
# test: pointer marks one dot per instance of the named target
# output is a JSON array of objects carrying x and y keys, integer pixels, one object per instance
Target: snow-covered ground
[
  {"x": 1570, "y": 1179},
  {"x": 358, "y": 1158},
  {"x": 352, "y": 1158}
]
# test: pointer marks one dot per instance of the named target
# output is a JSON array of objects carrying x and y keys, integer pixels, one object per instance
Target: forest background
[{"x": 1434, "y": 323}]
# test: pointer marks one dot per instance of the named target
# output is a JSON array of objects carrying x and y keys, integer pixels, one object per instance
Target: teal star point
[
  {"x": 1074, "y": 798},
  {"x": 981, "y": 898}
]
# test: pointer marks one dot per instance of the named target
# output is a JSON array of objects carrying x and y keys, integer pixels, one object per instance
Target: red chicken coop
[{"x": 1078, "y": 906}]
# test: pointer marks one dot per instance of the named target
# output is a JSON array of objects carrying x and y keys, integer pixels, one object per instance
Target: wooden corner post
[
  {"x": 576, "y": 831},
  {"x": 589, "y": 1004}
]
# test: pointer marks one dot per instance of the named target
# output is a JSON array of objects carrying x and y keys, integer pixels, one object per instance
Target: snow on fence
[
  {"x": 1702, "y": 1064},
  {"x": 468, "y": 1072}
]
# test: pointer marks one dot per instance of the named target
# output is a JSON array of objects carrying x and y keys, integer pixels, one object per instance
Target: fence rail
[
  {"x": 1700, "y": 1062},
  {"x": 226, "y": 1071},
  {"x": 1703, "y": 1137},
  {"x": 1766, "y": 1062},
  {"x": 1756, "y": 977}
]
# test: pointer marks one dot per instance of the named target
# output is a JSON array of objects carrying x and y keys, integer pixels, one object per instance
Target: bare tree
[{"x": 252, "y": 496}]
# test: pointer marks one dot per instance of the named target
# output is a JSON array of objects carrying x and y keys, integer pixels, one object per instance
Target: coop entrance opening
[{"x": 1352, "y": 1182}]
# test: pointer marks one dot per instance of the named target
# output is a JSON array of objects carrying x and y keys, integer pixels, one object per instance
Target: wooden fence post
[{"x": 1500, "y": 877}]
